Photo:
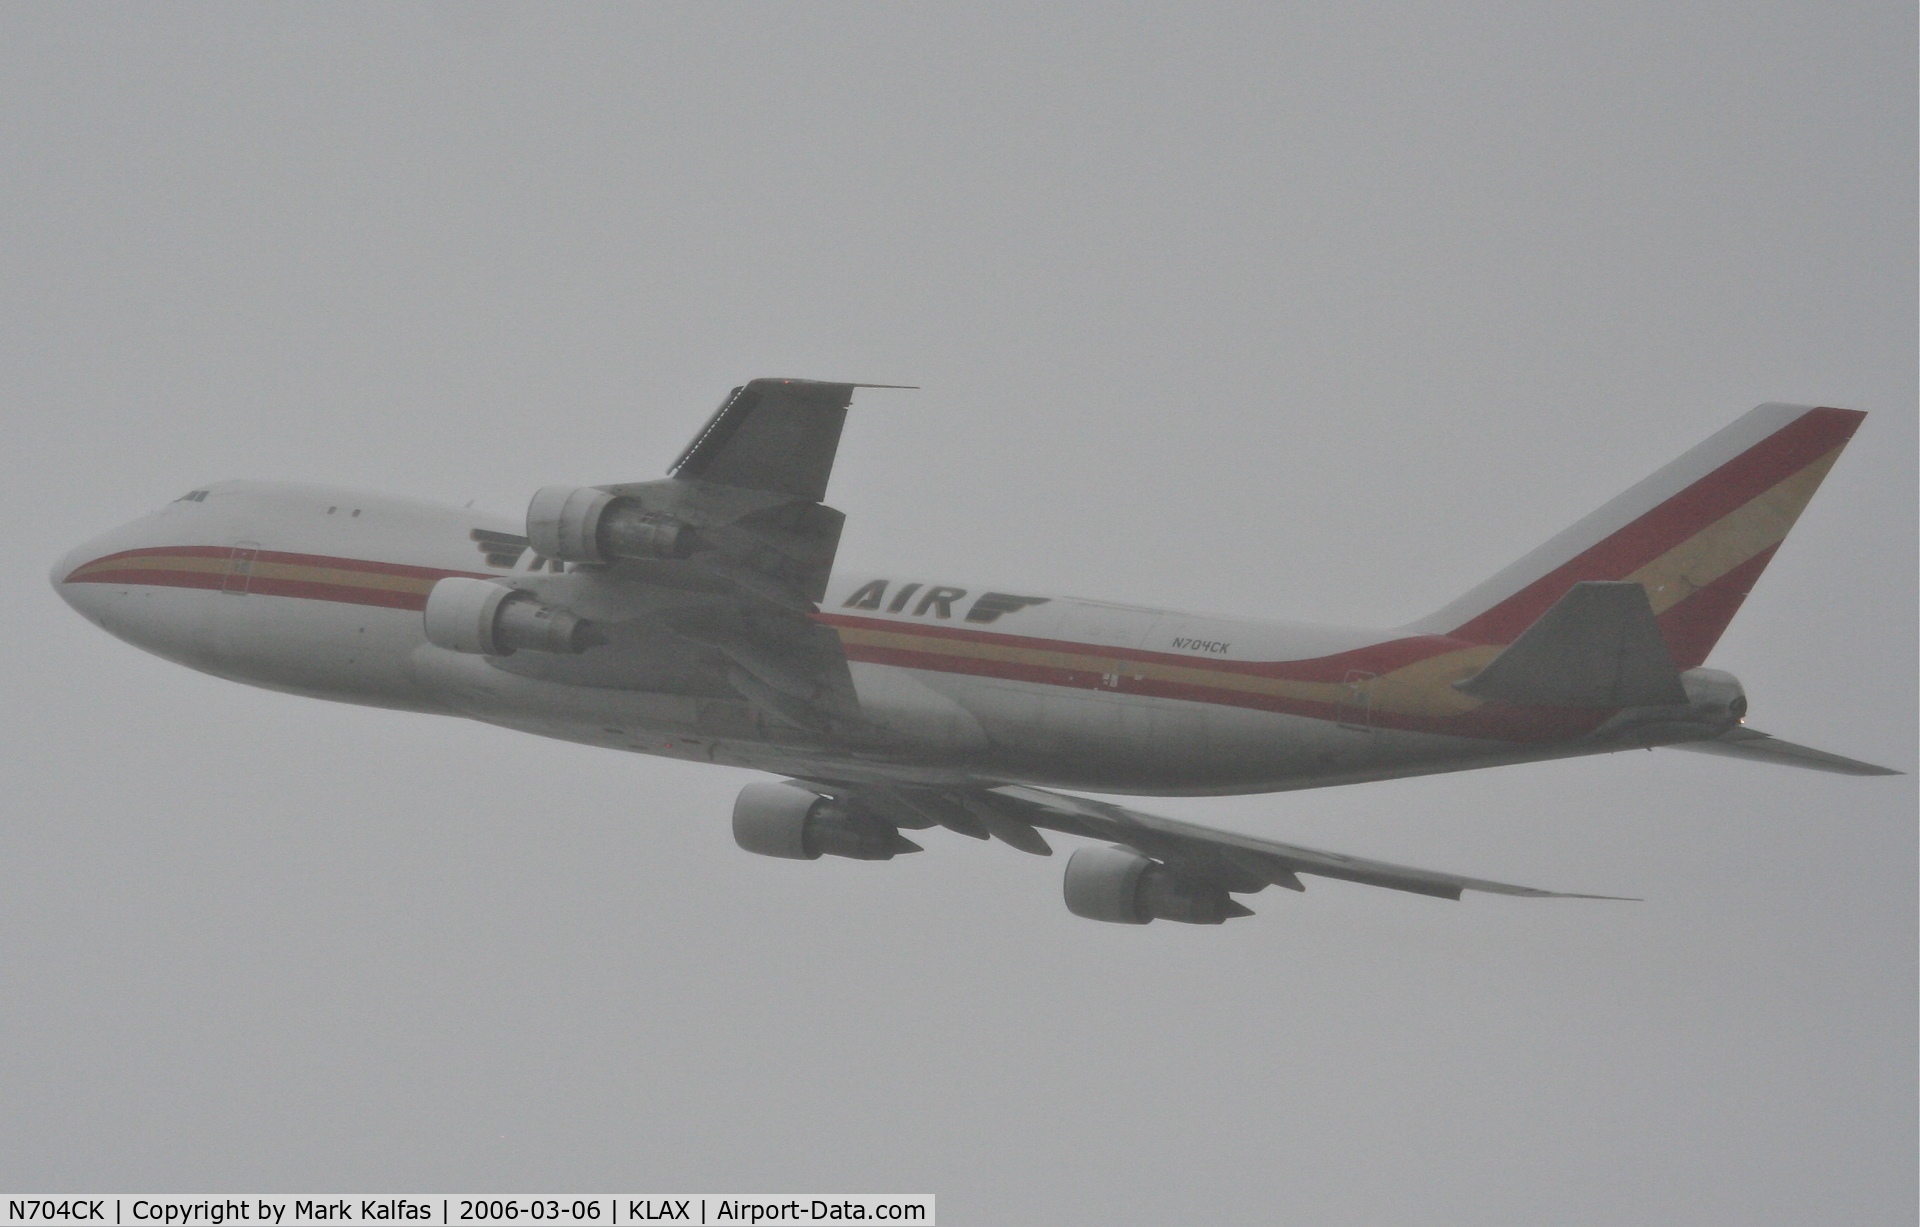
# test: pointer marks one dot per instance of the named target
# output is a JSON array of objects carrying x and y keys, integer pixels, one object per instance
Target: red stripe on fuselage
[
  {"x": 1520, "y": 724},
  {"x": 264, "y": 585},
  {"x": 1493, "y": 721},
  {"x": 1383, "y": 657},
  {"x": 152, "y": 579},
  {"x": 345, "y": 594},
  {"x": 1526, "y": 724},
  {"x": 300, "y": 560}
]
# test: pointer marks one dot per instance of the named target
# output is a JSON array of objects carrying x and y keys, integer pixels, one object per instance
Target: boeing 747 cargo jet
[{"x": 700, "y": 617}]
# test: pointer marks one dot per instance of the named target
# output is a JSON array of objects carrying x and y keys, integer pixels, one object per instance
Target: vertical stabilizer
[{"x": 1696, "y": 534}]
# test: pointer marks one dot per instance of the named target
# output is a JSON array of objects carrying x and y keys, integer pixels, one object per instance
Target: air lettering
[
  {"x": 900, "y": 599},
  {"x": 940, "y": 600},
  {"x": 867, "y": 596},
  {"x": 992, "y": 604}
]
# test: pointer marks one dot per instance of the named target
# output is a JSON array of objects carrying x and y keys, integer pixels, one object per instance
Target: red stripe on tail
[{"x": 1746, "y": 477}]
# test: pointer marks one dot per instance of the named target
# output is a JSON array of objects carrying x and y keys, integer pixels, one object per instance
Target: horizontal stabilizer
[
  {"x": 1597, "y": 646},
  {"x": 1753, "y": 744}
]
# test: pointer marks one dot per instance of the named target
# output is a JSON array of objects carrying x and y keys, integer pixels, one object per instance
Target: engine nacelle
[
  {"x": 785, "y": 821},
  {"x": 490, "y": 619},
  {"x": 581, "y": 524},
  {"x": 1120, "y": 886},
  {"x": 1714, "y": 696},
  {"x": 1715, "y": 703}
]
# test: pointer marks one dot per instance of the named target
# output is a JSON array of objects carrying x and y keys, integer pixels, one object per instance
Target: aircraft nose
[
  {"x": 88, "y": 600},
  {"x": 78, "y": 581},
  {"x": 66, "y": 565},
  {"x": 109, "y": 582}
]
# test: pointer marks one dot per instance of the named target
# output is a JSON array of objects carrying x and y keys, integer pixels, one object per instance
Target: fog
[{"x": 1320, "y": 314}]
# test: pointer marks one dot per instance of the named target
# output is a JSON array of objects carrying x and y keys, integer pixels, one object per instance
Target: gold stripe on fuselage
[
  {"x": 153, "y": 562},
  {"x": 1423, "y": 688},
  {"x": 292, "y": 572}
]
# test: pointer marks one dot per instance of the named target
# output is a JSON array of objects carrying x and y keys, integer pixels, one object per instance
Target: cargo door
[
  {"x": 1356, "y": 701},
  {"x": 238, "y": 577}
]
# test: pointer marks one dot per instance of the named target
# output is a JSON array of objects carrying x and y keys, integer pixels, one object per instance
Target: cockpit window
[{"x": 193, "y": 496}]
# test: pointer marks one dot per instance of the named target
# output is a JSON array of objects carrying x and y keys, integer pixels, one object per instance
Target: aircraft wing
[
  {"x": 702, "y": 583},
  {"x": 1222, "y": 853},
  {"x": 749, "y": 490},
  {"x": 1225, "y": 859},
  {"x": 776, "y": 435}
]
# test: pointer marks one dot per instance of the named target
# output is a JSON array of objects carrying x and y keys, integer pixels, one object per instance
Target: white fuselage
[{"x": 318, "y": 591}]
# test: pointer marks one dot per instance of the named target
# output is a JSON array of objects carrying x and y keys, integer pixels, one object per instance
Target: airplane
[{"x": 699, "y": 617}]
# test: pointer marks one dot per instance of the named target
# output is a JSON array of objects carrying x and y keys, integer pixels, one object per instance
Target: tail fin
[{"x": 1696, "y": 534}]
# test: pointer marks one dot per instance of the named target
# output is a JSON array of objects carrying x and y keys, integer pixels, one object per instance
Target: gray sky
[{"x": 1320, "y": 314}]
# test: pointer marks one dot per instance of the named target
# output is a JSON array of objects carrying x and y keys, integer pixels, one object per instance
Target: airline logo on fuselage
[{"x": 920, "y": 600}]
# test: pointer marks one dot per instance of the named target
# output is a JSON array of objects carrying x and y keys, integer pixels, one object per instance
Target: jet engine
[
  {"x": 787, "y": 821},
  {"x": 1716, "y": 702},
  {"x": 490, "y": 619},
  {"x": 581, "y": 524},
  {"x": 1120, "y": 886},
  {"x": 1714, "y": 696}
]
